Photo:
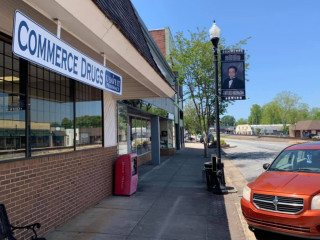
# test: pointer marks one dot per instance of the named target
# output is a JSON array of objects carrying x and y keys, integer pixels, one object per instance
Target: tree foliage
[
  {"x": 288, "y": 103},
  {"x": 270, "y": 113},
  {"x": 314, "y": 114},
  {"x": 191, "y": 123},
  {"x": 194, "y": 61},
  {"x": 228, "y": 121},
  {"x": 242, "y": 121},
  {"x": 285, "y": 108},
  {"x": 255, "y": 114}
]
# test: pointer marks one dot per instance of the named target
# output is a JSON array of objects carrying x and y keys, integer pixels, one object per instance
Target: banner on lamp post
[{"x": 233, "y": 75}]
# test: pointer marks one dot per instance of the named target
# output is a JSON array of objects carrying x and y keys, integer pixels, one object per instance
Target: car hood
[{"x": 287, "y": 183}]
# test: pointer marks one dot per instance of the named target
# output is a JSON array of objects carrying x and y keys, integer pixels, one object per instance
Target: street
[{"x": 249, "y": 155}]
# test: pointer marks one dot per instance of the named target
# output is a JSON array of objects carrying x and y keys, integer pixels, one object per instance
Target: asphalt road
[{"x": 250, "y": 155}]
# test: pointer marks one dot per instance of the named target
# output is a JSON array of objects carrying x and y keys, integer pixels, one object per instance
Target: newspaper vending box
[{"x": 126, "y": 175}]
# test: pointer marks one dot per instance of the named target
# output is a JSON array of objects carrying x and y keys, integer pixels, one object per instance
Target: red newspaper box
[{"x": 126, "y": 175}]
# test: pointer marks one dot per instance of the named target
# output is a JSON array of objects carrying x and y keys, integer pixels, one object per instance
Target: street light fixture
[{"x": 220, "y": 185}]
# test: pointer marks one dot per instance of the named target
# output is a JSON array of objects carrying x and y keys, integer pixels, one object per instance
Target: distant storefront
[
  {"x": 308, "y": 128},
  {"x": 244, "y": 129}
]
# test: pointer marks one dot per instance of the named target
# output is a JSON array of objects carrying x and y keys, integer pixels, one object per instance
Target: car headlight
[
  {"x": 246, "y": 193},
  {"x": 315, "y": 203}
]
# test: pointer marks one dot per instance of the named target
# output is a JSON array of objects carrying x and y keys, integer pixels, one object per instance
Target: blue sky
[{"x": 284, "y": 48}]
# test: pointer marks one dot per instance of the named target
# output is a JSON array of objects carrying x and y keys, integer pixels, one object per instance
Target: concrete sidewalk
[{"x": 171, "y": 203}]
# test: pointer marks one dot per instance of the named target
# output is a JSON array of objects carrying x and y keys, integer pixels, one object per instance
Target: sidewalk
[{"x": 171, "y": 203}]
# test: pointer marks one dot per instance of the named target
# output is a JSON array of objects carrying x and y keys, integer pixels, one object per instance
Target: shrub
[{"x": 214, "y": 143}]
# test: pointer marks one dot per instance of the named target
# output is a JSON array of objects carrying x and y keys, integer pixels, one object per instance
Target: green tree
[
  {"x": 258, "y": 131},
  {"x": 67, "y": 123},
  {"x": 228, "y": 121},
  {"x": 55, "y": 124},
  {"x": 314, "y": 114},
  {"x": 287, "y": 102},
  {"x": 299, "y": 113},
  {"x": 270, "y": 113},
  {"x": 88, "y": 121},
  {"x": 255, "y": 114},
  {"x": 193, "y": 59},
  {"x": 242, "y": 121},
  {"x": 191, "y": 123}
]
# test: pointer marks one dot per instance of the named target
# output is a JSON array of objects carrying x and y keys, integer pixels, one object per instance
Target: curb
[{"x": 236, "y": 198}]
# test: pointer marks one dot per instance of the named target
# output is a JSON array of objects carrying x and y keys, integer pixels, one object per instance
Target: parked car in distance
[
  {"x": 210, "y": 138},
  {"x": 286, "y": 197}
]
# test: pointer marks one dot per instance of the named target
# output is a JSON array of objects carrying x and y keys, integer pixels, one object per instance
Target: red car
[{"x": 286, "y": 197}]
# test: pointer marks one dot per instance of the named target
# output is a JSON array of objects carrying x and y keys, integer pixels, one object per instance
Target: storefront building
[{"x": 59, "y": 134}]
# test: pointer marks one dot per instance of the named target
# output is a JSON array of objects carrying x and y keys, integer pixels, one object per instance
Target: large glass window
[
  {"x": 140, "y": 132},
  {"x": 122, "y": 129},
  {"x": 148, "y": 131},
  {"x": 12, "y": 106},
  {"x": 51, "y": 111},
  {"x": 88, "y": 116},
  {"x": 144, "y": 140},
  {"x": 51, "y": 99},
  {"x": 170, "y": 134}
]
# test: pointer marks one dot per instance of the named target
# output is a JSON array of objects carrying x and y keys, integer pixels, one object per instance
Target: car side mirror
[{"x": 266, "y": 166}]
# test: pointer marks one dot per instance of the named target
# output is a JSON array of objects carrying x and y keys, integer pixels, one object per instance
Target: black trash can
[{"x": 210, "y": 177}]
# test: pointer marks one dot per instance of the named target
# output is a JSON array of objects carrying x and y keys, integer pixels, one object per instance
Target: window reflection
[
  {"x": 51, "y": 110},
  {"x": 122, "y": 129},
  {"x": 88, "y": 116},
  {"x": 12, "y": 106},
  {"x": 140, "y": 132},
  {"x": 51, "y": 124}
]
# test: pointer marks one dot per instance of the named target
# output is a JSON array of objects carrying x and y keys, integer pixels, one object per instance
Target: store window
[
  {"x": 53, "y": 102},
  {"x": 88, "y": 116},
  {"x": 148, "y": 123},
  {"x": 122, "y": 129},
  {"x": 140, "y": 132},
  {"x": 12, "y": 106},
  {"x": 135, "y": 140},
  {"x": 51, "y": 111},
  {"x": 167, "y": 136}
]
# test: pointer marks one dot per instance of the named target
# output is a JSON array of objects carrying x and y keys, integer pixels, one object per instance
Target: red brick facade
[
  {"x": 142, "y": 159},
  {"x": 160, "y": 39},
  {"x": 53, "y": 189},
  {"x": 167, "y": 151}
]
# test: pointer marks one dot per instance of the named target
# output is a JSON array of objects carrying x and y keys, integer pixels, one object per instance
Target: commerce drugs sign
[{"x": 34, "y": 43}]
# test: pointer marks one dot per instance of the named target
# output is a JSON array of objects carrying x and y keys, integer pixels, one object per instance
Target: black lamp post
[{"x": 220, "y": 186}]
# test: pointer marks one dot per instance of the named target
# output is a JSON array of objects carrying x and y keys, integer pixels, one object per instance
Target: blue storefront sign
[{"x": 34, "y": 43}]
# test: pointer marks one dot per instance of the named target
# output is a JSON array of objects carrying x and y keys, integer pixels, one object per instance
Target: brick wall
[
  {"x": 160, "y": 39},
  {"x": 167, "y": 151},
  {"x": 52, "y": 189},
  {"x": 142, "y": 159}
]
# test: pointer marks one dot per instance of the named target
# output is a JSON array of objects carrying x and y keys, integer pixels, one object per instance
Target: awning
[{"x": 59, "y": 133}]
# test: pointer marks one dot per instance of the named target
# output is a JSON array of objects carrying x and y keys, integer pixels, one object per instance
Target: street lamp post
[{"x": 220, "y": 186}]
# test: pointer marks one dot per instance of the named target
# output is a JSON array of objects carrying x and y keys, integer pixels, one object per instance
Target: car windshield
[{"x": 302, "y": 160}]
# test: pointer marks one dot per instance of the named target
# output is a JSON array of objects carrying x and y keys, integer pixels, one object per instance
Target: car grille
[
  {"x": 279, "y": 204},
  {"x": 278, "y": 225}
]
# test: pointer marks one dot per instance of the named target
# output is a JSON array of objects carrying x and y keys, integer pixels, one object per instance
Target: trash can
[
  {"x": 209, "y": 175},
  {"x": 211, "y": 172}
]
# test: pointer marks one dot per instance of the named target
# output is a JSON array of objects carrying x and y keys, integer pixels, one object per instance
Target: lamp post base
[
  {"x": 220, "y": 186},
  {"x": 219, "y": 190}
]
